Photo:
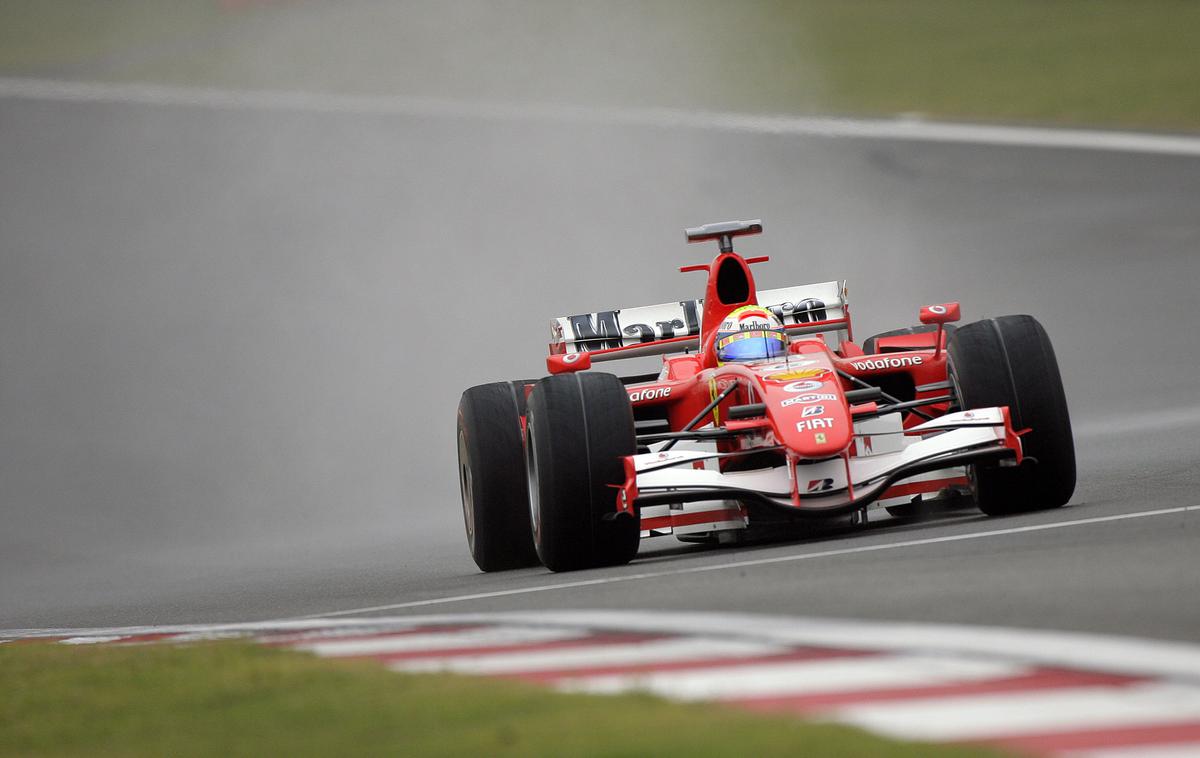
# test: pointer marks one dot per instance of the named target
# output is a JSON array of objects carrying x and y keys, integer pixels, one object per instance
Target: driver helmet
[{"x": 750, "y": 333}]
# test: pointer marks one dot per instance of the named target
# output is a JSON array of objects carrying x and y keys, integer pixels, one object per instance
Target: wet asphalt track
[{"x": 230, "y": 354}]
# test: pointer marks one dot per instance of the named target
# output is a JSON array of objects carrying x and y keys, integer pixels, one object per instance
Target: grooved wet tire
[
  {"x": 869, "y": 346},
  {"x": 1009, "y": 361},
  {"x": 579, "y": 426},
  {"x": 491, "y": 471}
]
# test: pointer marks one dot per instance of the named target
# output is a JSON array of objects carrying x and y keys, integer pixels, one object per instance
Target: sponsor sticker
[
  {"x": 812, "y": 424},
  {"x": 603, "y": 329},
  {"x": 820, "y": 485},
  {"x": 804, "y": 312},
  {"x": 571, "y": 358},
  {"x": 661, "y": 457},
  {"x": 938, "y": 309},
  {"x": 881, "y": 364},
  {"x": 747, "y": 318},
  {"x": 805, "y": 386},
  {"x": 814, "y": 397},
  {"x": 792, "y": 363},
  {"x": 813, "y": 410},
  {"x": 806, "y": 373},
  {"x": 820, "y": 437},
  {"x": 650, "y": 393}
]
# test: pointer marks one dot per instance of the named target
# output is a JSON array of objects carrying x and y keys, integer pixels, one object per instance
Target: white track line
[
  {"x": 617, "y": 578},
  {"x": 384, "y": 644},
  {"x": 246, "y": 627},
  {"x": 653, "y": 651},
  {"x": 976, "y": 717},
  {"x": 798, "y": 678},
  {"x": 883, "y": 129}
]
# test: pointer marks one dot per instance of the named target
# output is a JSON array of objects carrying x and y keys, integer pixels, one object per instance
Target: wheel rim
[{"x": 466, "y": 485}]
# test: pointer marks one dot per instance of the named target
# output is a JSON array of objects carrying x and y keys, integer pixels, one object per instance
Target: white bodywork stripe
[{"x": 981, "y": 430}]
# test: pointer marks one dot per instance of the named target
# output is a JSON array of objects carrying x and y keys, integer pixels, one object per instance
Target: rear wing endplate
[{"x": 675, "y": 327}]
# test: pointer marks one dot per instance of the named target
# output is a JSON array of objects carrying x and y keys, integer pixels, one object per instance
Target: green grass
[
  {"x": 55, "y": 36},
  {"x": 243, "y": 699},
  {"x": 1122, "y": 62},
  {"x": 1126, "y": 63}
]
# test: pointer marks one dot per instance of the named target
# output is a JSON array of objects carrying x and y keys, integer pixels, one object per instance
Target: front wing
[{"x": 803, "y": 487}]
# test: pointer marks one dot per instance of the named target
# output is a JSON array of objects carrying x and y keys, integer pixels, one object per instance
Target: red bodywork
[{"x": 808, "y": 415}]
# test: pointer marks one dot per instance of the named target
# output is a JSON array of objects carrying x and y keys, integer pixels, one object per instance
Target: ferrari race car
[{"x": 765, "y": 413}]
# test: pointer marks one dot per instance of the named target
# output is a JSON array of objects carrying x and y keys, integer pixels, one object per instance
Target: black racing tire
[
  {"x": 579, "y": 426},
  {"x": 491, "y": 472},
  {"x": 1009, "y": 361},
  {"x": 869, "y": 345}
]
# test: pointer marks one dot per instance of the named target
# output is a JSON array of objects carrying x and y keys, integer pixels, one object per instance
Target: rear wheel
[
  {"x": 1009, "y": 361},
  {"x": 579, "y": 426},
  {"x": 491, "y": 469}
]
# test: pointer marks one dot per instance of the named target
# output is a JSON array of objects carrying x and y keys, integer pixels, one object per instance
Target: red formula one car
[{"x": 765, "y": 413}]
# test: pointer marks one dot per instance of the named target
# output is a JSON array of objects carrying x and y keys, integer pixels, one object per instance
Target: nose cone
[{"x": 807, "y": 407}]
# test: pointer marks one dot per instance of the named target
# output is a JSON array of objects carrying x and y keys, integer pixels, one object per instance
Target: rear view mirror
[
  {"x": 940, "y": 314},
  {"x": 562, "y": 364}
]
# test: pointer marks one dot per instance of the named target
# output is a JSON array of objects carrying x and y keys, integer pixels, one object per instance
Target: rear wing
[{"x": 675, "y": 327}]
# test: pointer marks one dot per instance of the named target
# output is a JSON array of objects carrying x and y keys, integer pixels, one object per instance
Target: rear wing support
[{"x": 723, "y": 232}]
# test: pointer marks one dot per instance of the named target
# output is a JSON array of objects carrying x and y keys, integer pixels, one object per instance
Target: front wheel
[
  {"x": 1009, "y": 361},
  {"x": 579, "y": 427},
  {"x": 491, "y": 472}
]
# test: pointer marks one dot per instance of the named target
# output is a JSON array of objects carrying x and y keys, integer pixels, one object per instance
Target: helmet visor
[{"x": 755, "y": 345}]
